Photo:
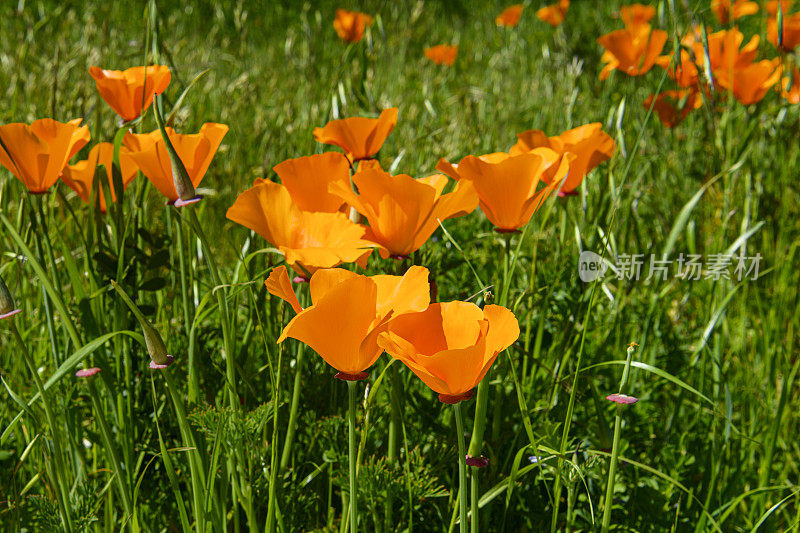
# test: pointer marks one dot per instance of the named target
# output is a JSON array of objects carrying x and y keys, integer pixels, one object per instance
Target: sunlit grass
[{"x": 711, "y": 443}]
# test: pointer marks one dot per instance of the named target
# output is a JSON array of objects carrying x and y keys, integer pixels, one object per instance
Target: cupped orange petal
[
  {"x": 508, "y": 188},
  {"x": 729, "y": 10},
  {"x": 308, "y": 240},
  {"x": 37, "y": 153},
  {"x": 510, "y": 16},
  {"x": 307, "y": 180},
  {"x": 350, "y": 25},
  {"x": 278, "y": 284},
  {"x": 450, "y": 346},
  {"x": 195, "y": 151},
  {"x": 553, "y": 14},
  {"x": 750, "y": 84},
  {"x": 773, "y": 6},
  {"x": 336, "y": 325},
  {"x": 636, "y": 14},
  {"x": 791, "y": 32},
  {"x": 589, "y": 143},
  {"x": 130, "y": 91},
  {"x": 80, "y": 176},
  {"x": 350, "y": 311},
  {"x": 403, "y": 294},
  {"x": 359, "y": 137},
  {"x": 632, "y": 50},
  {"x": 442, "y": 54},
  {"x": 402, "y": 211}
]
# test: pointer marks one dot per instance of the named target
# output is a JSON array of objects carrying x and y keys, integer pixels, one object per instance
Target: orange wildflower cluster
[
  {"x": 38, "y": 154},
  {"x": 717, "y": 63}
]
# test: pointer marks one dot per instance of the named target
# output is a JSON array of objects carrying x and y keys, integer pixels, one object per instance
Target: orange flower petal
[
  {"x": 37, "y": 153},
  {"x": 507, "y": 189},
  {"x": 442, "y": 54},
  {"x": 510, "y": 16},
  {"x": 308, "y": 240},
  {"x": 80, "y": 176},
  {"x": 130, "y": 91},
  {"x": 335, "y": 326},
  {"x": 278, "y": 284},
  {"x": 350, "y": 25},
  {"x": 195, "y": 151},
  {"x": 360, "y": 137},
  {"x": 307, "y": 179}
]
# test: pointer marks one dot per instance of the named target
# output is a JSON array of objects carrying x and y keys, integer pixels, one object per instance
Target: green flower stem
[
  {"x": 482, "y": 397},
  {"x": 63, "y": 493},
  {"x": 294, "y": 408},
  {"x": 612, "y": 469},
  {"x": 351, "y": 416},
  {"x": 462, "y": 470}
]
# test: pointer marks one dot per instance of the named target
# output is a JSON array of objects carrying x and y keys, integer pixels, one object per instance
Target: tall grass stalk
[{"x": 612, "y": 468}]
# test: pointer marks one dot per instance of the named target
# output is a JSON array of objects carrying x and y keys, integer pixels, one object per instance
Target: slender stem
[
  {"x": 462, "y": 470},
  {"x": 294, "y": 408},
  {"x": 612, "y": 469},
  {"x": 353, "y": 393}
]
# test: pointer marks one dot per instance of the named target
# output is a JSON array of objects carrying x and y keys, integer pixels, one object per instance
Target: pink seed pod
[{"x": 87, "y": 372}]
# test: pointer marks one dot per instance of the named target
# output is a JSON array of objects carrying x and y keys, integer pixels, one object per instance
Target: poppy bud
[
  {"x": 155, "y": 344},
  {"x": 181, "y": 179},
  {"x": 6, "y": 301}
]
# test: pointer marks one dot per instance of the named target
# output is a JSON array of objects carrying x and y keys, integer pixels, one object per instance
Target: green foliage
[{"x": 711, "y": 444}]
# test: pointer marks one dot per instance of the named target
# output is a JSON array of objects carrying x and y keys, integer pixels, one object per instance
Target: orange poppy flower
[
  {"x": 750, "y": 84},
  {"x": 510, "y": 16},
  {"x": 442, "y": 54},
  {"x": 674, "y": 106},
  {"x": 791, "y": 87},
  {"x": 195, "y": 150},
  {"x": 309, "y": 241},
  {"x": 403, "y": 212},
  {"x": 348, "y": 312},
  {"x": 37, "y": 153},
  {"x": 636, "y": 15},
  {"x": 507, "y": 185},
  {"x": 631, "y": 50},
  {"x": 791, "y": 31},
  {"x": 773, "y": 5},
  {"x": 590, "y": 144},
  {"x": 450, "y": 346},
  {"x": 727, "y": 13},
  {"x": 350, "y": 25},
  {"x": 80, "y": 176},
  {"x": 553, "y": 14},
  {"x": 130, "y": 91},
  {"x": 359, "y": 137},
  {"x": 725, "y": 50},
  {"x": 307, "y": 180}
]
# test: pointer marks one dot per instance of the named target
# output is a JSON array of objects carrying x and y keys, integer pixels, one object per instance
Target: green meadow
[{"x": 244, "y": 434}]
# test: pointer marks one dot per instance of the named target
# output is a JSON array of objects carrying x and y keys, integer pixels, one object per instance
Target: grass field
[{"x": 245, "y": 434}]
